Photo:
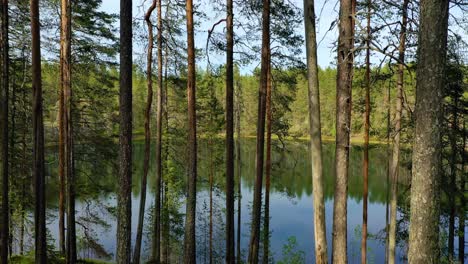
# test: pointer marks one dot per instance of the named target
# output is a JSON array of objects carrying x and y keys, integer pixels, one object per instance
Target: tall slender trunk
[
  {"x": 211, "y": 202},
  {"x": 38, "y": 139},
  {"x": 124, "y": 205},
  {"x": 425, "y": 184},
  {"x": 23, "y": 168},
  {"x": 257, "y": 199},
  {"x": 387, "y": 198},
  {"x": 453, "y": 177},
  {"x": 4, "y": 174},
  {"x": 239, "y": 173},
  {"x": 230, "y": 253},
  {"x": 266, "y": 221},
  {"x": 62, "y": 132},
  {"x": 461, "y": 216},
  {"x": 149, "y": 101},
  {"x": 156, "y": 254},
  {"x": 394, "y": 169},
  {"x": 189, "y": 242},
  {"x": 166, "y": 223},
  {"x": 343, "y": 127},
  {"x": 321, "y": 256},
  {"x": 366, "y": 141},
  {"x": 67, "y": 128}
]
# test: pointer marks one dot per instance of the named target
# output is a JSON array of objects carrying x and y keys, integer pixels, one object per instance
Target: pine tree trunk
[
  {"x": 211, "y": 202},
  {"x": 189, "y": 242},
  {"x": 425, "y": 184},
  {"x": 149, "y": 101},
  {"x": 66, "y": 127},
  {"x": 124, "y": 206},
  {"x": 453, "y": 177},
  {"x": 156, "y": 254},
  {"x": 239, "y": 173},
  {"x": 257, "y": 199},
  {"x": 366, "y": 141},
  {"x": 394, "y": 169},
  {"x": 461, "y": 216},
  {"x": 230, "y": 252},
  {"x": 166, "y": 223},
  {"x": 266, "y": 221},
  {"x": 4, "y": 174},
  {"x": 343, "y": 127},
  {"x": 38, "y": 140},
  {"x": 321, "y": 256},
  {"x": 387, "y": 198},
  {"x": 62, "y": 134}
]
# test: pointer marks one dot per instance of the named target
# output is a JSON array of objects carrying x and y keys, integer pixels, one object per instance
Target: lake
[{"x": 291, "y": 201}]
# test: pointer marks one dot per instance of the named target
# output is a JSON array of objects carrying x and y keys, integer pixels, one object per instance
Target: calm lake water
[{"x": 291, "y": 200}]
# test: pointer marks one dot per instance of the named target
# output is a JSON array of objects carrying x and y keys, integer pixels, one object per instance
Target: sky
[{"x": 326, "y": 10}]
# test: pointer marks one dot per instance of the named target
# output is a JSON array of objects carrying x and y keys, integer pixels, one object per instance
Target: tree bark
[
  {"x": 239, "y": 173},
  {"x": 189, "y": 242},
  {"x": 4, "y": 170},
  {"x": 321, "y": 256},
  {"x": 62, "y": 133},
  {"x": 387, "y": 198},
  {"x": 67, "y": 129},
  {"x": 366, "y": 141},
  {"x": 211, "y": 201},
  {"x": 124, "y": 210},
  {"x": 157, "y": 215},
  {"x": 266, "y": 221},
  {"x": 426, "y": 172},
  {"x": 257, "y": 199},
  {"x": 230, "y": 252},
  {"x": 461, "y": 217},
  {"x": 453, "y": 177},
  {"x": 38, "y": 139},
  {"x": 343, "y": 127},
  {"x": 149, "y": 101},
  {"x": 394, "y": 169}
]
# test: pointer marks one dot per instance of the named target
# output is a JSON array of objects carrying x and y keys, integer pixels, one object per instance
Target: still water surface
[{"x": 291, "y": 211}]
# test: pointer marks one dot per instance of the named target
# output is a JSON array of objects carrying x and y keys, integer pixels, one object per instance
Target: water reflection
[{"x": 290, "y": 201}]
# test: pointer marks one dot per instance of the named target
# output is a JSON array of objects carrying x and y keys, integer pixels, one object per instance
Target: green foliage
[{"x": 291, "y": 253}]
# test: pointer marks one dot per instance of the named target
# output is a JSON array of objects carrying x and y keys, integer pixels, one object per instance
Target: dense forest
[{"x": 209, "y": 131}]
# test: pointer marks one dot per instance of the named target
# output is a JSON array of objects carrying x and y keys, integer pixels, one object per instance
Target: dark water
[{"x": 291, "y": 211}]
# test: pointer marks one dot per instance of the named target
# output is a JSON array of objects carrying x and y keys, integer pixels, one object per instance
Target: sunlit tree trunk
[
  {"x": 394, "y": 169},
  {"x": 230, "y": 253},
  {"x": 321, "y": 256},
  {"x": 38, "y": 140},
  {"x": 66, "y": 124},
  {"x": 149, "y": 101},
  {"x": 257, "y": 199},
  {"x": 426, "y": 171},
  {"x": 189, "y": 241},
  {"x": 239, "y": 173},
  {"x": 62, "y": 135},
  {"x": 266, "y": 221},
  {"x": 4, "y": 174},
  {"x": 124, "y": 210},
  {"x": 365, "y": 168},
  {"x": 343, "y": 129}
]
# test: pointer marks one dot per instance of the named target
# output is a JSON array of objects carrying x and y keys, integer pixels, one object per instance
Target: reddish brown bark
[
  {"x": 189, "y": 241},
  {"x": 257, "y": 199}
]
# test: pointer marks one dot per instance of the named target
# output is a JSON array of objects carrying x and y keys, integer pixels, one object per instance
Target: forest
[{"x": 221, "y": 131}]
